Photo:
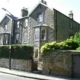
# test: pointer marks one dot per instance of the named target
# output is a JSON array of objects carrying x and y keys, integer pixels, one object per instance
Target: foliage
[
  {"x": 16, "y": 52},
  {"x": 70, "y": 44},
  {"x": 4, "y": 51},
  {"x": 21, "y": 52},
  {"x": 78, "y": 48}
]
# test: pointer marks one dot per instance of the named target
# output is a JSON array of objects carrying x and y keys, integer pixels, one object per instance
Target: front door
[{"x": 76, "y": 66}]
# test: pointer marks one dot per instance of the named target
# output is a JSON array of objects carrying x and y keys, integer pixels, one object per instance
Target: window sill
[
  {"x": 25, "y": 42},
  {"x": 43, "y": 39}
]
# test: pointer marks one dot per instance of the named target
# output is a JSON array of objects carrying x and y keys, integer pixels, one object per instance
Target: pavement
[{"x": 29, "y": 75}]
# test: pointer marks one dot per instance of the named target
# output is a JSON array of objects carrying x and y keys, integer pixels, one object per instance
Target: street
[{"x": 4, "y": 76}]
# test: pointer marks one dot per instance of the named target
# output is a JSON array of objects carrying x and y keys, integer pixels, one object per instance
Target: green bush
[
  {"x": 69, "y": 44},
  {"x": 78, "y": 48},
  {"x": 21, "y": 52},
  {"x": 72, "y": 44},
  {"x": 4, "y": 51},
  {"x": 16, "y": 52}
]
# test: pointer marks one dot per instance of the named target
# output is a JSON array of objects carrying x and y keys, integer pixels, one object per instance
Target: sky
[{"x": 64, "y": 6}]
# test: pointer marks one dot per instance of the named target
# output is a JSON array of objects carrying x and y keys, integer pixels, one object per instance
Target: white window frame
[
  {"x": 18, "y": 24},
  {"x": 6, "y": 39},
  {"x": 6, "y": 27},
  {"x": 37, "y": 34},
  {"x": 43, "y": 34},
  {"x": 40, "y": 17},
  {"x": 25, "y": 37},
  {"x": 26, "y": 22}
]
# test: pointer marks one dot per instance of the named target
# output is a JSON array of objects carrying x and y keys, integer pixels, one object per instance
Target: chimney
[
  {"x": 24, "y": 12},
  {"x": 44, "y": 2},
  {"x": 71, "y": 14}
]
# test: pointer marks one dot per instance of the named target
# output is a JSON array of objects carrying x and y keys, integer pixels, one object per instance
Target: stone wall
[
  {"x": 25, "y": 65},
  {"x": 19, "y": 64},
  {"x": 4, "y": 62},
  {"x": 58, "y": 63}
]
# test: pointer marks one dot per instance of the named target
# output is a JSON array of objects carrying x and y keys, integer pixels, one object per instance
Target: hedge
[
  {"x": 16, "y": 52},
  {"x": 69, "y": 44}
]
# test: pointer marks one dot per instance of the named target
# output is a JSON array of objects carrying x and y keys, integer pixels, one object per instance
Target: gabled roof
[
  {"x": 7, "y": 17},
  {"x": 12, "y": 17},
  {"x": 40, "y": 3}
]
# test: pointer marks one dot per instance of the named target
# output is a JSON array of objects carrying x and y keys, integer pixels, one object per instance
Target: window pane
[
  {"x": 40, "y": 17},
  {"x": 26, "y": 22},
  {"x": 5, "y": 28},
  {"x": 17, "y": 37},
  {"x": 43, "y": 34},
  {"x": 37, "y": 34},
  {"x": 25, "y": 37},
  {"x": 18, "y": 24}
]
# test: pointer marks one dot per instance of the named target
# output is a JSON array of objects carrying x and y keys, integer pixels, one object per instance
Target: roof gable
[
  {"x": 39, "y": 5},
  {"x": 6, "y": 19}
]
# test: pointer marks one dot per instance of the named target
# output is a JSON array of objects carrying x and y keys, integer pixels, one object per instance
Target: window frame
[
  {"x": 18, "y": 24},
  {"x": 6, "y": 27},
  {"x": 41, "y": 17},
  {"x": 26, "y": 21},
  {"x": 17, "y": 37},
  {"x": 38, "y": 34},
  {"x": 24, "y": 39},
  {"x": 43, "y": 33}
]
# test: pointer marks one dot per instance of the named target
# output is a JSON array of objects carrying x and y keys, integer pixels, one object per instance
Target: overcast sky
[{"x": 64, "y": 6}]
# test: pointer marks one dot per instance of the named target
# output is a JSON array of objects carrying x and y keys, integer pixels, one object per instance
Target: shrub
[
  {"x": 21, "y": 52},
  {"x": 69, "y": 44},
  {"x": 16, "y": 52},
  {"x": 72, "y": 44},
  {"x": 4, "y": 51},
  {"x": 78, "y": 48}
]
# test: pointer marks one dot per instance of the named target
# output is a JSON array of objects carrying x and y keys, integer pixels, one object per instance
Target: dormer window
[
  {"x": 25, "y": 37},
  {"x": 18, "y": 24},
  {"x": 40, "y": 18},
  {"x": 5, "y": 27}
]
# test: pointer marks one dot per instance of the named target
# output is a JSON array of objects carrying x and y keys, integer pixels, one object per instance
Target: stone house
[
  {"x": 43, "y": 25},
  {"x": 13, "y": 30},
  {"x": 47, "y": 25},
  {"x": 6, "y": 29}
]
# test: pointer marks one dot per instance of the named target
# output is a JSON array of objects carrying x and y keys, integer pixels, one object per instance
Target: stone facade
[
  {"x": 64, "y": 26},
  {"x": 59, "y": 63},
  {"x": 18, "y": 64}
]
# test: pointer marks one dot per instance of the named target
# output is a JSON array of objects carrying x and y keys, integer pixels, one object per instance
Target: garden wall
[
  {"x": 59, "y": 63},
  {"x": 19, "y": 64}
]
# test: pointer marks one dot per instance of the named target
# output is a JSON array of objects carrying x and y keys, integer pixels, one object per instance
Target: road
[{"x": 4, "y": 76}]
